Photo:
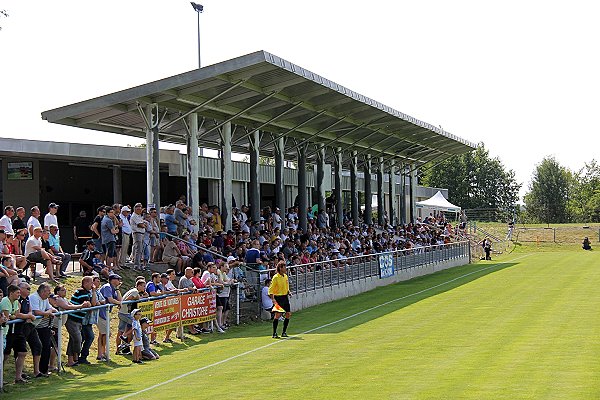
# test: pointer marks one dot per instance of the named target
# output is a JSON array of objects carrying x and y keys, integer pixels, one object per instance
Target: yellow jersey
[{"x": 279, "y": 285}]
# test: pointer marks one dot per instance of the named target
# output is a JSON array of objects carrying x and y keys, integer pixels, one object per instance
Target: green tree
[
  {"x": 475, "y": 180},
  {"x": 548, "y": 193},
  {"x": 3, "y": 13},
  {"x": 584, "y": 199}
]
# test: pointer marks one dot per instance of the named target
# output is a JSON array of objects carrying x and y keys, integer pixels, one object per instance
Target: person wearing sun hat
[{"x": 136, "y": 314}]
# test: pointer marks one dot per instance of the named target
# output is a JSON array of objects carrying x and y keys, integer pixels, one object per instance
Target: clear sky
[{"x": 521, "y": 76}]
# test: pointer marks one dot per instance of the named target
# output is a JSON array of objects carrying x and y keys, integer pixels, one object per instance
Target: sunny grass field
[{"x": 524, "y": 326}]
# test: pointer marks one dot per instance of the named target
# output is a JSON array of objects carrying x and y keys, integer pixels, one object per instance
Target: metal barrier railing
[
  {"x": 203, "y": 248},
  {"x": 323, "y": 274},
  {"x": 108, "y": 310}
]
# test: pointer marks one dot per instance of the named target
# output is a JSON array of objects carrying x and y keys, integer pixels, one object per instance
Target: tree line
[{"x": 555, "y": 194}]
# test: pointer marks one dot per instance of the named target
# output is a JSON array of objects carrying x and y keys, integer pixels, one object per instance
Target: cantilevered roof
[{"x": 261, "y": 91}]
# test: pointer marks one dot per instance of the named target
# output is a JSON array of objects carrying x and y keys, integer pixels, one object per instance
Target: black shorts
[
  {"x": 110, "y": 249},
  {"x": 223, "y": 302},
  {"x": 36, "y": 257},
  {"x": 284, "y": 302},
  {"x": 15, "y": 342}
]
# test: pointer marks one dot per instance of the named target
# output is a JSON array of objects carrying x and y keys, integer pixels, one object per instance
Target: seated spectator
[
  {"x": 147, "y": 352},
  {"x": 57, "y": 251},
  {"x": 172, "y": 256},
  {"x": 586, "y": 244},
  {"x": 36, "y": 254}
]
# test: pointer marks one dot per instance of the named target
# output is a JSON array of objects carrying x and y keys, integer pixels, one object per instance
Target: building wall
[{"x": 23, "y": 193}]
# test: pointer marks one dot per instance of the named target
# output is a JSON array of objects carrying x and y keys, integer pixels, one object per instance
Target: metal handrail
[{"x": 195, "y": 245}]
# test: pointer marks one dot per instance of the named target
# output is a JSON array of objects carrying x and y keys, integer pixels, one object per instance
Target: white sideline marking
[{"x": 314, "y": 329}]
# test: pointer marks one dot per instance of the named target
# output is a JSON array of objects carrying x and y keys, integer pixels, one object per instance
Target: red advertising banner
[
  {"x": 198, "y": 307},
  {"x": 166, "y": 313}
]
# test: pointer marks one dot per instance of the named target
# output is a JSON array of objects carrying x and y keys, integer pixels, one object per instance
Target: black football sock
[
  {"x": 275, "y": 323},
  {"x": 285, "y": 324}
]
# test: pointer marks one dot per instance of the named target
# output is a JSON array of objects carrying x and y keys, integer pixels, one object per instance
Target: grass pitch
[{"x": 524, "y": 326}]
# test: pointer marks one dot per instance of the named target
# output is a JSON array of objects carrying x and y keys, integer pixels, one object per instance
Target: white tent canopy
[{"x": 438, "y": 202}]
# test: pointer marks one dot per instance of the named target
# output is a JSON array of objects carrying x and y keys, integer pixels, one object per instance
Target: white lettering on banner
[
  {"x": 195, "y": 300},
  {"x": 194, "y": 312}
]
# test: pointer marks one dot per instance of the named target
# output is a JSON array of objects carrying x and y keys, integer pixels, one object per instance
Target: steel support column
[
  {"x": 368, "y": 216},
  {"x": 152, "y": 157},
  {"x": 380, "y": 202},
  {"x": 226, "y": 177},
  {"x": 193, "y": 192},
  {"x": 402, "y": 193},
  {"x": 279, "y": 181},
  {"x": 392, "y": 183},
  {"x": 353, "y": 189},
  {"x": 320, "y": 181},
  {"x": 254, "y": 187},
  {"x": 339, "y": 205},
  {"x": 413, "y": 192},
  {"x": 117, "y": 184},
  {"x": 302, "y": 196}
]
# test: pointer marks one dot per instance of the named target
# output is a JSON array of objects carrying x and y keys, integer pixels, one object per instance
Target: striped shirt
[{"x": 81, "y": 295}]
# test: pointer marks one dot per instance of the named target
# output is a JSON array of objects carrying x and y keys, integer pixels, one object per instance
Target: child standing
[{"x": 137, "y": 336}]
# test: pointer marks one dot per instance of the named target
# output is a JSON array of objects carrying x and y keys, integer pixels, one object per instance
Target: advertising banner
[
  {"x": 198, "y": 307},
  {"x": 386, "y": 265}
]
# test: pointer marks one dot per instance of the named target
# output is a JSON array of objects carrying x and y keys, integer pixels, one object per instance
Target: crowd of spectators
[{"x": 200, "y": 252}]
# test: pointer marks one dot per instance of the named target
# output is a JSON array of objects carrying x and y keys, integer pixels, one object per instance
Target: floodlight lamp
[{"x": 197, "y": 7}]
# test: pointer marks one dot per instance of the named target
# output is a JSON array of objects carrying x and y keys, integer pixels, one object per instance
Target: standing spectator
[
  {"x": 96, "y": 228},
  {"x": 57, "y": 251},
  {"x": 27, "y": 328},
  {"x": 34, "y": 220},
  {"x": 111, "y": 293},
  {"x": 81, "y": 230},
  {"x": 93, "y": 317},
  {"x": 153, "y": 290},
  {"x": 138, "y": 227},
  {"x": 84, "y": 296},
  {"x": 87, "y": 323},
  {"x": 186, "y": 283},
  {"x": 6, "y": 220},
  {"x": 50, "y": 218},
  {"x": 166, "y": 286},
  {"x": 19, "y": 221},
  {"x": 153, "y": 231},
  {"x": 60, "y": 303},
  {"x": 40, "y": 305},
  {"x": 14, "y": 341},
  {"x": 126, "y": 235},
  {"x": 170, "y": 221},
  {"x": 136, "y": 328},
  {"x": 125, "y": 316},
  {"x": 180, "y": 216},
  {"x": 109, "y": 241},
  {"x": 223, "y": 296}
]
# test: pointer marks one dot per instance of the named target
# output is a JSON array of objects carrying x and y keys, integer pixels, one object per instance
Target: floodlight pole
[{"x": 198, "y": 8}]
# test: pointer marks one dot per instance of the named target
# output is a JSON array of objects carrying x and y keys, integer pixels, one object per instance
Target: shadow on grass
[{"x": 333, "y": 317}]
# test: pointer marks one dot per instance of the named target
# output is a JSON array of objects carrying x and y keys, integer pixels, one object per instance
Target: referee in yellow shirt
[{"x": 279, "y": 290}]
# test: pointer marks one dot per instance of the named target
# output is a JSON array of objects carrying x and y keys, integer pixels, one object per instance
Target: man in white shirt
[
  {"x": 276, "y": 218},
  {"x": 41, "y": 307},
  {"x": 35, "y": 253},
  {"x": 138, "y": 229},
  {"x": 6, "y": 220},
  {"x": 50, "y": 218},
  {"x": 33, "y": 221},
  {"x": 126, "y": 229}
]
